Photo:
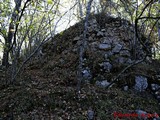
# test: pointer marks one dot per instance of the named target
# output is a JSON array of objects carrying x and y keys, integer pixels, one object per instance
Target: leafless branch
[{"x": 126, "y": 68}]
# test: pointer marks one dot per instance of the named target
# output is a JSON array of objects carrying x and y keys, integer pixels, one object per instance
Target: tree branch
[{"x": 129, "y": 66}]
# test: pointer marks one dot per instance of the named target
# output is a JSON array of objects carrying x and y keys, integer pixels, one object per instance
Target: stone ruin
[{"x": 110, "y": 47}]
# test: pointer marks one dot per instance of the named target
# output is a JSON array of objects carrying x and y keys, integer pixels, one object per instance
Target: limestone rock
[
  {"x": 100, "y": 34},
  {"x": 76, "y": 38},
  {"x": 103, "y": 46},
  {"x": 107, "y": 55},
  {"x": 90, "y": 39},
  {"x": 87, "y": 74},
  {"x": 107, "y": 41},
  {"x": 103, "y": 30},
  {"x": 125, "y": 88},
  {"x": 117, "y": 48},
  {"x": 107, "y": 66},
  {"x": 125, "y": 53},
  {"x": 90, "y": 114},
  {"x": 102, "y": 84},
  {"x": 141, "y": 83},
  {"x": 155, "y": 87}
]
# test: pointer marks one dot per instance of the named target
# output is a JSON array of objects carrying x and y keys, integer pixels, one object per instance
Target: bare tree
[{"x": 82, "y": 47}]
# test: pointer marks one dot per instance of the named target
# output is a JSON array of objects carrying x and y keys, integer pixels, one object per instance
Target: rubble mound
[
  {"x": 47, "y": 86},
  {"x": 110, "y": 48}
]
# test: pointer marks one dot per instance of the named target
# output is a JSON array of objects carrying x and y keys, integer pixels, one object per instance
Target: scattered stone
[
  {"x": 102, "y": 84},
  {"x": 79, "y": 42},
  {"x": 107, "y": 55},
  {"x": 141, "y": 114},
  {"x": 155, "y": 87},
  {"x": 148, "y": 59},
  {"x": 90, "y": 38},
  {"x": 90, "y": 29},
  {"x": 76, "y": 38},
  {"x": 93, "y": 35},
  {"x": 74, "y": 50},
  {"x": 107, "y": 41},
  {"x": 125, "y": 88},
  {"x": 87, "y": 74},
  {"x": 121, "y": 60},
  {"x": 106, "y": 34},
  {"x": 129, "y": 61},
  {"x": 141, "y": 83},
  {"x": 90, "y": 114},
  {"x": 107, "y": 66},
  {"x": 125, "y": 53},
  {"x": 103, "y": 30},
  {"x": 103, "y": 46},
  {"x": 94, "y": 46},
  {"x": 93, "y": 21},
  {"x": 100, "y": 34},
  {"x": 117, "y": 48},
  {"x": 157, "y": 95}
]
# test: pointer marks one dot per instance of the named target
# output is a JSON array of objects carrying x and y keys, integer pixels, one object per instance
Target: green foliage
[{"x": 49, "y": 1}]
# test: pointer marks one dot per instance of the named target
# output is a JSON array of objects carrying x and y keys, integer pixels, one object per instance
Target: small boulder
[
  {"x": 104, "y": 46},
  {"x": 125, "y": 88},
  {"x": 107, "y": 66},
  {"x": 76, "y": 38},
  {"x": 117, "y": 48},
  {"x": 87, "y": 75},
  {"x": 141, "y": 83},
  {"x": 102, "y": 84}
]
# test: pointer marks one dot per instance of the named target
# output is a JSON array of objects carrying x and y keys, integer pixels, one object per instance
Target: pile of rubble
[{"x": 110, "y": 47}]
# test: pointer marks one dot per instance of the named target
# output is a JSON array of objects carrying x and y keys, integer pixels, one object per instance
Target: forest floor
[
  {"x": 54, "y": 100},
  {"x": 47, "y": 90}
]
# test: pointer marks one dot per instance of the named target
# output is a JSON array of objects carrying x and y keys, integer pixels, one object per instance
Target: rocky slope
[{"x": 47, "y": 87}]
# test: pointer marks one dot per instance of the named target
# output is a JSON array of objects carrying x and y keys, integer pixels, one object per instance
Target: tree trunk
[
  {"x": 83, "y": 47},
  {"x": 8, "y": 40}
]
